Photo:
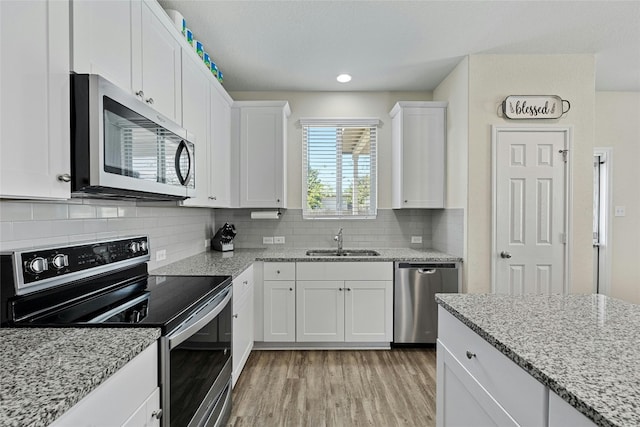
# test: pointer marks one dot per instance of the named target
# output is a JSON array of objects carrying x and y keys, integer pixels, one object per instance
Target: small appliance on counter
[{"x": 223, "y": 239}]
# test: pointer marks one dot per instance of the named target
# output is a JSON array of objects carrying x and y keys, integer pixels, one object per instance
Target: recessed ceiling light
[{"x": 344, "y": 78}]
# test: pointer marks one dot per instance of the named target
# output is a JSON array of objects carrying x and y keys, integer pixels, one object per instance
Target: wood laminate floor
[{"x": 336, "y": 388}]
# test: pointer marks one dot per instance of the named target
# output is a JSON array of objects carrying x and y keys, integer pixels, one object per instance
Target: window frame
[{"x": 341, "y": 122}]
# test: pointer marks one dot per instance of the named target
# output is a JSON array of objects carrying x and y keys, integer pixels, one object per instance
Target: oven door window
[{"x": 195, "y": 365}]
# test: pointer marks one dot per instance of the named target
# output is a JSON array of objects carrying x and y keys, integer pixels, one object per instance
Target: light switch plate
[
  {"x": 416, "y": 239},
  {"x": 161, "y": 255},
  {"x": 278, "y": 240},
  {"x": 267, "y": 240},
  {"x": 620, "y": 211}
]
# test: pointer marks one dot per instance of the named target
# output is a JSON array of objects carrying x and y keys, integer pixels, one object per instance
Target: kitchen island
[
  {"x": 44, "y": 372},
  {"x": 582, "y": 348}
]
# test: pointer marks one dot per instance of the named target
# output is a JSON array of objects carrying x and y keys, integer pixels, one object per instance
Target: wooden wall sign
[{"x": 518, "y": 107}]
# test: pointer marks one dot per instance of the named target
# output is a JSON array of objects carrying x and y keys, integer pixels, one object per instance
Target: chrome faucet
[{"x": 338, "y": 238}]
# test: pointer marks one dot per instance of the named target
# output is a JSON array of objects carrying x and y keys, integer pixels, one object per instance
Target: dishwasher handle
[
  {"x": 426, "y": 270},
  {"x": 424, "y": 266}
]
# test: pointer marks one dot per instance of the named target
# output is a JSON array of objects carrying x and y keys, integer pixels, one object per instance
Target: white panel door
[
  {"x": 279, "y": 310},
  {"x": 368, "y": 313},
  {"x": 320, "y": 310},
  {"x": 529, "y": 210}
]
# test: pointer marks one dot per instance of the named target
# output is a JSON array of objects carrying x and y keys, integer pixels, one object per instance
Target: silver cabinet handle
[
  {"x": 505, "y": 255},
  {"x": 149, "y": 101},
  {"x": 470, "y": 355},
  {"x": 65, "y": 177},
  {"x": 140, "y": 93},
  {"x": 157, "y": 414}
]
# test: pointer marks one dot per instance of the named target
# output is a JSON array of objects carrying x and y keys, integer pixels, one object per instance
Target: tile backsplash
[
  {"x": 391, "y": 229},
  {"x": 182, "y": 232}
]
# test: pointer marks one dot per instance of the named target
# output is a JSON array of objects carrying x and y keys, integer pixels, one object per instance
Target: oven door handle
[{"x": 200, "y": 319}]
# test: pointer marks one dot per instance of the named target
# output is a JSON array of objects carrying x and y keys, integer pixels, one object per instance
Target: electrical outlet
[
  {"x": 416, "y": 239},
  {"x": 620, "y": 211},
  {"x": 267, "y": 240},
  {"x": 278, "y": 240},
  {"x": 161, "y": 255},
  {"x": 207, "y": 243}
]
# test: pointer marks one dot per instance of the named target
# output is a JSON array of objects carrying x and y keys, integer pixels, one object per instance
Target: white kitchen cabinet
[
  {"x": 260, "y": 128},
  {"x": 562, "y": 414},
  {"x": 128, "y": 397},
  {"x": 133, "y": 44},
  {"x": 418, "y": 154},
  {"x": 242, "y": 321},
  {"x": 476, "y": 381},
  {"x": 344, "y": 301},
  {"x": 220, "y": 169},
  {"x": 34, "y": 106},
  {"x": 279, "y": 301}
]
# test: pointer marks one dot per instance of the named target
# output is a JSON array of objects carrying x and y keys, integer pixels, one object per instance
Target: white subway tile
[
  {"x": 81, "y": 211},
  {"x": 45, "y": 211},
  {"x": 106, "y": 212},
  {"x": 15, "y": 211}
]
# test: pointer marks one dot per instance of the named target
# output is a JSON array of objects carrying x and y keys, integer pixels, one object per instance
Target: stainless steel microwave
[{"x": 123, "y": 148}]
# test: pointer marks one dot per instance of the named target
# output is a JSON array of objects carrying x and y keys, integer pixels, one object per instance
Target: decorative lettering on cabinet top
[{"x": 518, "y": 107}]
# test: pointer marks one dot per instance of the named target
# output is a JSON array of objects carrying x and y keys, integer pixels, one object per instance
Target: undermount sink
[{"x": 345, "y": 252}]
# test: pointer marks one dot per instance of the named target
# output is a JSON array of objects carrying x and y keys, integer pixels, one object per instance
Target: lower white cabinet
[
  {"x": 130, "y": 397},
  {"x": 242, "y": 321},
  {"x": 351, "y": 311},
  {"x": 279, "y": 310},
  {"x": 562, "y": 414}
]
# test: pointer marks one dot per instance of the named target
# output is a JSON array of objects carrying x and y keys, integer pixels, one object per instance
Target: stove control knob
[
  {"x": 134, "y": 247},
  {"x": 60, "y": 261},
  {"x": 144, "y": 246},
  {"x": 37, "y": 265}
]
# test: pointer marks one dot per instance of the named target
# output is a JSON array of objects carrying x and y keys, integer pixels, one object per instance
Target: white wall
[
  {"x": 336, "y": 104},
  {"x": 491, "y": 79},
  {"x": 618, "y": 126}
]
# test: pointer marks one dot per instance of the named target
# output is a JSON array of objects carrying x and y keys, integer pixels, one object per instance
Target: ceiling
[{"x": 296, "y": 45}]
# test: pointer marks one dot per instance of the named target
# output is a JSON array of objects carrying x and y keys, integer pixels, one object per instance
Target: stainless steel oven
[
  {"x": 120, "y": 146},
  {"x": 105, "y": 284}
]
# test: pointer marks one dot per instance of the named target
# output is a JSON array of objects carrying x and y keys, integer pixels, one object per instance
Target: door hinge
[
  {"x": 564, "y": 153},
  {"x": 563, "y": 238}
]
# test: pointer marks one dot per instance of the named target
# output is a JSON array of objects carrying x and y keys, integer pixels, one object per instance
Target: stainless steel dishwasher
[{"x": 415, "y": 313}]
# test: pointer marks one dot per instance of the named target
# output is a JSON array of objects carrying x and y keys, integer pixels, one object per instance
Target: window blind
[{"x": 339, "y": 168}]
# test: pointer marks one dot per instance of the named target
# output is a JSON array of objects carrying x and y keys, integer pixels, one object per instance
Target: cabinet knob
[
  {"x": 149, "y": 101},
  {"x": 140, "y": 93},
  {"x": 470, "y": 355},
  {"x": 278, "y": 200},
  {"x": 277, "y": 271},
  {"x": 291, "y": 289},
  {"x": 340, "y": 289},
  {"x": 65, "y": 177},
  {"x": 157, "y": 414},
  {"x": 246, "y": 282},
  {"x": 213, "y": 198},
  {"x": 406, "y": 201},
  {"x": 347, "y": 289},
  {"x": 235, "y": 316}
]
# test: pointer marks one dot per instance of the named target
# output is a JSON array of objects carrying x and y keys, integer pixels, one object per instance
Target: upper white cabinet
[
  {"x": 133, "y": 44},
  {"x": 220, "y": 148},
  {"x": 418, "y": 154},
  {"x": 260, "y": 127},
  {"x": 34, "y": 106}
]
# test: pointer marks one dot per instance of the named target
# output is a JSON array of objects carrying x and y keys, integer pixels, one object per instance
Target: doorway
[
  {"x": 602, "y": 191},
  {"x": 531, "y": 184}
]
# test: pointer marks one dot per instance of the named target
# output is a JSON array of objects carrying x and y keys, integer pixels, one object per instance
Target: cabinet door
[
  {"x": 146, "y": 415},
  {"x": 320, "y": 311},
  {"x": 423, "y": 157},
  {"x": 261, "y": 157},
  {"x": 460, "y": 398},
  {"x": 102, "y": 35},
  {"x": 34, "y": 106},
  {"x": 279, "y": 310},
  {"x": 195, "y": 118},
  {"x": 368, "y": 311},
  {"x": 220, "y": 157},
  {"x": 160, "y": 65},
  {"x": 562, "y": 414},
  {"x": 242, "y": 332}
]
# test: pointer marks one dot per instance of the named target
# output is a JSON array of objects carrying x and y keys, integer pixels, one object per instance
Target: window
[{"x": 339, "y": 176}]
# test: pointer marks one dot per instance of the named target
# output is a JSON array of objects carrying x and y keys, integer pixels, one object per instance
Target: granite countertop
[
  {"x": 211, "y": 263},
  {"x": 45, "y": 371},
  {"x": 585, "y": 348}
]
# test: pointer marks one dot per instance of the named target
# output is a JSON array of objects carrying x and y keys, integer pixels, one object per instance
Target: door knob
[{"x": 505, "y": 254}]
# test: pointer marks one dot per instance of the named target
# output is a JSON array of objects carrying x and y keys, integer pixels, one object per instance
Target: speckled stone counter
[
  {"x": 585, "y": 348},
  {"x": 233, "y": 263},
  {"x": 45, "y": 371}
]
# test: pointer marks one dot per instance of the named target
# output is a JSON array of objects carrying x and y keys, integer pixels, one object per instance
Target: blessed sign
[{"x": 534, "y": 107}]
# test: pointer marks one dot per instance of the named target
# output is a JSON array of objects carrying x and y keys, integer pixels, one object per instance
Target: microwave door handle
[{"x": 181, "y": 147}]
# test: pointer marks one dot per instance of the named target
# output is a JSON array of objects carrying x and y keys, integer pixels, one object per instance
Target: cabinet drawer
[
  {"x": 279, "y": 271},
  {"x": 509, "y": 384},
  {"x": 344, "y": 271},
  {"x": 242, "y": 283}
]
